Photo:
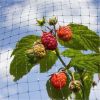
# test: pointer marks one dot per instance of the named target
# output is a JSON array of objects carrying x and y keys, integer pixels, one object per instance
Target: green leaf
[
  {"x": 25, "y": 43},
  {"x": 86, "y": 80},
  {"x": 55, "y": 94},
  {"x": 88, "y": 62},
  {"x": 71, "y": 53},
  {"x": 88, "y": 84},
  {"x": 83, "y": 39},
  {"x": 48, "y": 61},
  {"x": 21, "y": 63},
  {"x": 83, "y": 61}
]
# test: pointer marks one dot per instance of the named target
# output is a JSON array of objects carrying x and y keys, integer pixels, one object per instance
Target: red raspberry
[
  {"x": 58, "y": 80},
  {"x": 49, "y": 41},
  {"x": 64, "y": 33}
]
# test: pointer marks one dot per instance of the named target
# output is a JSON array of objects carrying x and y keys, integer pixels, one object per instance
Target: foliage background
[{"x": 17, "y": 19}]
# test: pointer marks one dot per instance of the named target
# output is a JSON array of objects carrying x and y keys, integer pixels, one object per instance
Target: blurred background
[{"x": 18, "y": 19}]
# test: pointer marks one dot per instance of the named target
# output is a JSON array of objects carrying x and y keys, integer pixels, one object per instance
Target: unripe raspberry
[
  {"x": 37, "y": 50},
  {"x": 75, "y": 86},
  {"x": 64, "y": 33},
  {"x": 49, "y": 41},
  {"x": 53, "y": 21},
  {"x": 58, "y": 80}
]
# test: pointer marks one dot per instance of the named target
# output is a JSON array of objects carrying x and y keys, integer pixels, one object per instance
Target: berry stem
[
  {"x": 57, "y": 53},
  {"x": 54, "y": 30},
  {"x": 48, "y": 27}
]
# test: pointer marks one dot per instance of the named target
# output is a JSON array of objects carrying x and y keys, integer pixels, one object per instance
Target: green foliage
[
  {"x": 87, "y": 84},
  {"x": 21, "y": 63},
  {"x": 88, "y": 62},
  {"x": 83, "y": 39},
  {"x": 55, "y": 94},
  {"x": 85, "y": 78},
  {"x": 48, "y": 61},
  {"x": 25, "y": 43},
  {"x": 71, "y": 53},
  {"x": 85, "y": 65}
]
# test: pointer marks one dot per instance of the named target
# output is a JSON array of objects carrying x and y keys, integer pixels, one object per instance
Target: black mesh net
[{"x": 18, "y": 19}]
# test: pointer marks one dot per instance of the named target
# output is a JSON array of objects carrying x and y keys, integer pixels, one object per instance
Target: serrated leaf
[
  {"x": 55, "y": 94},
  {"x": 48, "y": 61},
  {"x": 71, "y": 53},
  {"x": 21, "y": 63},
  {"x": 86, "y": 81},
  {"x": 83, "y": 39},
  {"x": 25, "y": 43},
  {"x": 88, "y": 62}
]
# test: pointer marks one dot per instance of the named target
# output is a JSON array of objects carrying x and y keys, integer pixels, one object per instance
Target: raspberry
[
  {"x": 49, "y": 41},
  {"x": 53, "y": 21},
  {"x": 75, "y": 86},
  {"x": 37, "y": 50},
  {"x": 64, "y": 33},
  {"x": 58, "y": 80}
]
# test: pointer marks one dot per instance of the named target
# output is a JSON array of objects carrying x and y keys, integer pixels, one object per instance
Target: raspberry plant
[{"x": 44, "y": 50}]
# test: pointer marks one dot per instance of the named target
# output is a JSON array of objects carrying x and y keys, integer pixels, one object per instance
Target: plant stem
[{"x": 57, "y": 53}]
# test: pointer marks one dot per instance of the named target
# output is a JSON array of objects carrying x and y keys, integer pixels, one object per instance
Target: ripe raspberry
[
  {"x": 58, "y": 80},
  {"x": 49, "y": 41},
  {"x": 75, "y": 86},
  {"x": 64, "y": 33},
  {"x": 37, "y": 50}
]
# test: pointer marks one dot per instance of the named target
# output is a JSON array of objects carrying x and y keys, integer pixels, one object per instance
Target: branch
[{"x": 57, "y": 53}]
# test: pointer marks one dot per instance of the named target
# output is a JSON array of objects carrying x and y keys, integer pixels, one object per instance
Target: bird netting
[{"x": 18, "y": 19}]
